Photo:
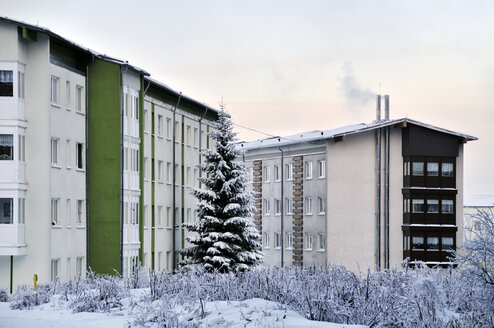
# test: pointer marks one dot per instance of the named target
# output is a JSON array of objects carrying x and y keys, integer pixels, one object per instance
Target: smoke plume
[{"x": 351, "y": 89}]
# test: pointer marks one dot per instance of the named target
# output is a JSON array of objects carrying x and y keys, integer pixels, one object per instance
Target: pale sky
[{"x": 284, "y": 67}]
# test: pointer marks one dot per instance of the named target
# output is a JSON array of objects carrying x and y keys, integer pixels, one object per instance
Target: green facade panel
[{"x": 104, "y": 167}]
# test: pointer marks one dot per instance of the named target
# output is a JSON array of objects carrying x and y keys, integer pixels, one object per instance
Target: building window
[
  {"x": 80, "y": 156},
  {"x": 22, "y": 148},
  {"x": 308, "y": 241},
  {"x": 195, "y": 137},
  {"x": 308, "y": 205},
  {"x": 406, "y": 243},
  {"x": 55, "y": 211},
  {"x": 187, "y": 176},
  {"x": 188, "y": 135},
  {"x": 146, "y": 120},
  {"x": 20, "y": 86},
  {"x": 447, "y": 169},
  {"x": 196, "y": 178},
  {"x": 168, "y": 128},
  {"x": 417, "y": 206},
  {"x": 145, "y": 169},
  {"x": 67, "y": 95},
  {"x": 406, "y": 168},
  {"x": 79, "y": 266},
  {"x": 55, "y": 90},
  {"x": 78, "y": 100},
  {"x": 6, "y": 147},
  {"x": 80, "y": 207},
  {"x": 289, "y": 171},
  {"x": 54, "y": 151},
  {"x": 432, "y": 242},
  {"x": 68, "y": 212},
  {"x": 55, "y": 269},
  {"x": 267, "y": 174},
  {"x": 418, "y": 168},
  {"x": 289, "y": 240},
  {"x": 406, "y": 205},
  {"x": 432, "y": 206},
  {"x": 277, "y": 173},
  {"x": 321, "y": 165},
  {"x": 160, "y": 125},
  {"x": 161, "y": 172},
  {"x": 322, "y": 205},
  {"x": 322, "y": 242},
  {"x": 432, "y": 169},
  {"x": 6, "y": 83},
  {"x": 277, "y": 207},
  {"x": 308, "y": 170},
  {"x": 6, "y": 210},
  {"x": 417, "y": 242},
  {"x": 447, "y": 243},
  {"x": 266, "y": 207},
  {"x": 21, "y": 210},
  {"x": 288, "y": 206},
  {"x": 160, "y": 215},
  {"x": 277, "y": 240},
  {"x": 168, "y": 216},
  {"x": 447, "y": 206},
  {"x": 169, "y": 172},
  {"x": 266, "y": 240}
]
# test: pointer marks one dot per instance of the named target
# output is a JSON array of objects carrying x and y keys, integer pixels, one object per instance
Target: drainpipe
[
  {"x": 174, "y": 221},
  {"x": 282, "y": 209},
  {"x": 386, "y": 190},
  {"x": 122, "y": 158},
  {"x": 200, "y": 146},
  {"x": 378, "y": 186},
  {"x": 87, "y": 163}
]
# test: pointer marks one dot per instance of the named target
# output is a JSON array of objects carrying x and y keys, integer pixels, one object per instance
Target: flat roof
[{"x": 316, "y": 135}]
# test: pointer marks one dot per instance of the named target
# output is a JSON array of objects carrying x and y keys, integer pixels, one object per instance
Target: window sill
[
  {"x": 267, "y": 247},
  {"x": 321, "y": 178},
  {"x": 277, "y": 248},
  {"x": 308, "y": 249},
  {"x": 310, "y": 214},
  {"x": 80, "y": 170},
  {"x": 68, "y": 109},
  {"x": 322, "y": 213},
  {"x": 80, "y": 113},
  {"x": 55, "y": 105},
  {"x": 160, "y": 136},
  {"x": 289, "y": 248},
  {"x": 168, "y": 139},
  {"x": 69, "y": 167},
  {"x": 321, "y": 250},
  {"x": 69, "y": 227},
  {"x": 80, "y": 227},
  {"x": 308, "y": 178},
  {"x": 57, "y": 226},
  {"x": 56, "y": 166},
  {"x": 169, "y": 228}
]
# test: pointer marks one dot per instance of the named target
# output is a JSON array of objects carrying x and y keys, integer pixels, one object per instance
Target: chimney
[
  {"x": 378, "y": 108},
  {"x": 386, "y": 107}
]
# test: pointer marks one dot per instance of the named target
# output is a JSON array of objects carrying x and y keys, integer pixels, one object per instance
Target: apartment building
[
  {"x": 364, "y": 195},
  {"x": 471, "y": 205},
  {"x": 86, "y": 151}
]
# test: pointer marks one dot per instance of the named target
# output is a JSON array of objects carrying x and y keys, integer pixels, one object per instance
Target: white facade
[{"x": 42, "y": 185}]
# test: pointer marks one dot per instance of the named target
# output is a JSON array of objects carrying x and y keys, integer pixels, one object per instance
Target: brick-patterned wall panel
[{"x": 298, "y": 210}]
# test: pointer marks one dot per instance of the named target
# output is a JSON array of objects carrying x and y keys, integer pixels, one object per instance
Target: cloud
[{"x": 351, "y": 89}]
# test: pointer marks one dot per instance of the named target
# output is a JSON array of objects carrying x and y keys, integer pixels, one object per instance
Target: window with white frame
[
  {"x": 80, "y": 211},
  {"x": 277, "y": 207},
  {"x": 68, "y": 154},
  {"x": 22, "y": 148},
  {"x": 55, "y": 270},
  {"x": 20, "y": 85},
  {"x": 266, "y": 240},
  {"x": 55, "y": 211},
  {"x": 169, "y": 172},
  {"x": 187, "y": 176},
  {"x": 308, "y": 170},
  {"x": 145, "y": 168},
  {"x": 277, "y": 173},
  {"x": 195, "y": 137},
  {"x": 308, "y": 241},
  {"x": 289, "y": 172},
  {"x": 267, "y": 173},
  {"x": 277, "y": 240},
  {"x": 55, "y": 90},
  {"x": 68, "y": 218},
  {"x": 321, "y": 169},
  {"x": 188, "y": 135},
  {"x": 288, "y": 206},
  {"x": 289, "y": 240},
  {"x": 160, "y": 171},
  {"x": 68, "y": 104},
  {"x": 146, "y": 120},
  {"x": 6, "y": 147},
  {"x": 6, "y": 210},
  {"x": 54, "y": 151},
  {"x": 188, "y": 215},
  {"x": 322, "y": 241},
  {"x": 308, "y": 205},
  {"x": 168, "y": 216},
  {"x": 160, "y": 125},
  {"x": 159, "y": 215},
  {"x": 322, "y": 205},
  {"x": 196, "y": 178},
  {"x": 79, "y": 268},
  {"x": 21, "y": 209},
  {"x": 6, "y": 83},
  {"x": 177, "y": 131},
  {"x": 80, "y": 156},
  {"x": 168, "y": 128},
  {"x": 69, "y": 268},
  {"x": 266, "y": 207},
  {"x": 79, "y": 104}
]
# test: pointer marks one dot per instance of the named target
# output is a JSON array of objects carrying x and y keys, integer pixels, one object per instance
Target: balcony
[
  {"x": 12, "y": 240},
  {"x": 131, "y": 234}
]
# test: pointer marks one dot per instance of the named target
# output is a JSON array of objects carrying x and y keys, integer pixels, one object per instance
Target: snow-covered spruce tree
[{"x": 226, "y": 239}]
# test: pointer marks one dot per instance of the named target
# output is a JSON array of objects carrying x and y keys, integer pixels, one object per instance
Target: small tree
[
  {"x": 478, "y": 255},
  {"x": 226, "y": 239}
]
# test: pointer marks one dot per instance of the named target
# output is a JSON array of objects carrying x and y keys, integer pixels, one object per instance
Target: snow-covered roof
[
  {"x": 340, "y": 132},
  {"x": 73, "y": 44},
  {"x": 478, "y": 201},
  {"x": 164, "y": 86}
]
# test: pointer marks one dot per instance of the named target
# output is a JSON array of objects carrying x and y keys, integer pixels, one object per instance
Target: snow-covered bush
[
  {"x": 26, "y": 298},
  {"x": 4, "y": 295}
]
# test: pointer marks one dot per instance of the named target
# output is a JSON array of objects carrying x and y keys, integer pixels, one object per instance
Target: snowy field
[{"x": 248, "y": 313}]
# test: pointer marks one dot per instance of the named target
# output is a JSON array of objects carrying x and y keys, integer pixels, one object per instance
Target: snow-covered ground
[{"x": 249, "y": 313}]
